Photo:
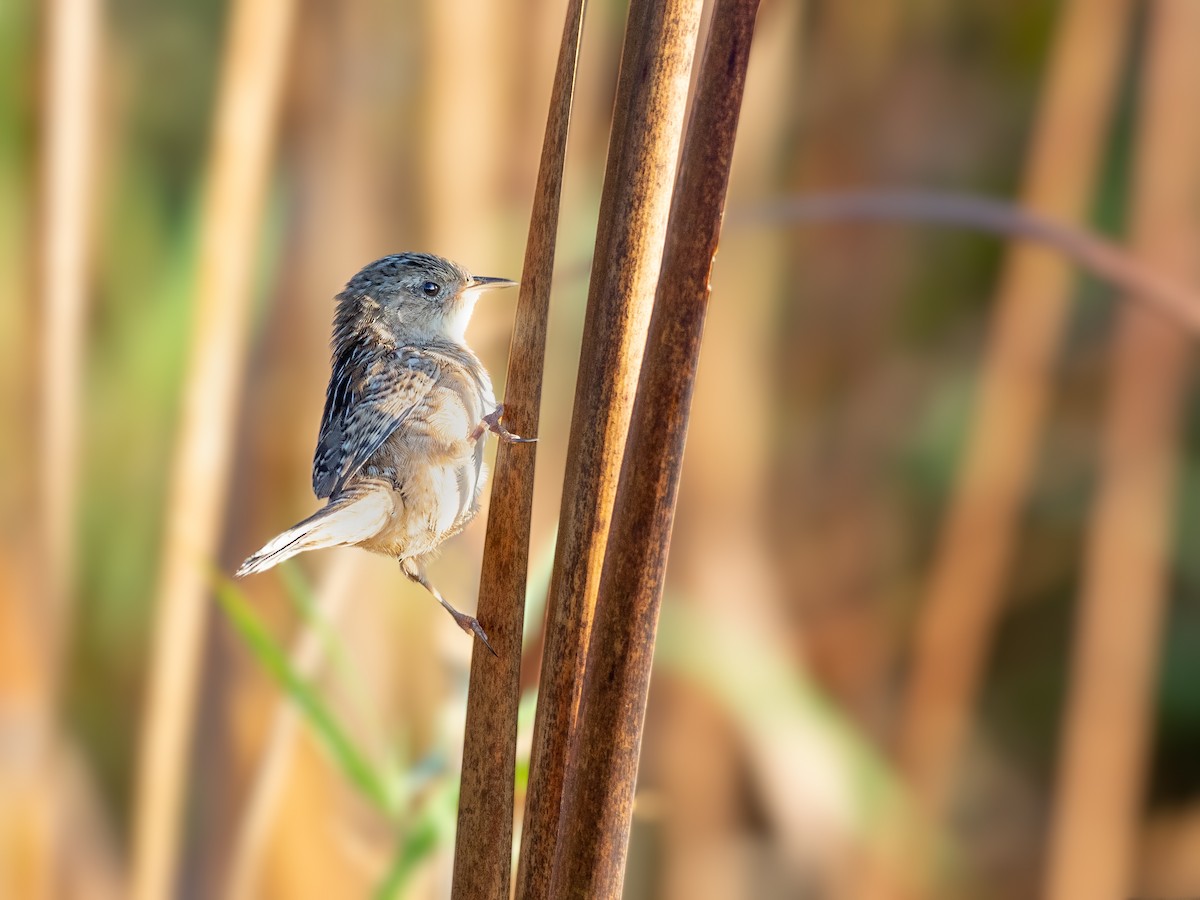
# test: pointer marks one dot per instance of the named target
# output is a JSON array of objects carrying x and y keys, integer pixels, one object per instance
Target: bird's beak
[{"x": 484, "y": 283}]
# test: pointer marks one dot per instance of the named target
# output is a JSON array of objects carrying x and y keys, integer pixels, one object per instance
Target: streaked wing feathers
[{"x": 371, "y": 393}]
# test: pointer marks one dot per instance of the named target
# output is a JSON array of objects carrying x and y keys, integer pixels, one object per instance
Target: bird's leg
[
  {"x": 469, "y": 624},
  {"x": 491, "y": 422}
]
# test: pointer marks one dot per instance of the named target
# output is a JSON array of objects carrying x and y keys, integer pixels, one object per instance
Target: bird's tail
[{"x": 348, "y": 520}]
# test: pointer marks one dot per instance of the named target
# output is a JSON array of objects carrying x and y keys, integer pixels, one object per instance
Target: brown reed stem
[
  {"x": 602, "y": 773},
  {"x": 248, "y": 103},
  {"x": 965, "y": 589},
  {"x": 483, "y": 846},
  {"x": 1127, "y": 567},
  {"x": 634, "y": 205},
  {"x": 964, "y": 594}
]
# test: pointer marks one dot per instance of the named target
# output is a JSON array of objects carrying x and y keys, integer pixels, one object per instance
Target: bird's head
[{"x": 413, "y": 297}]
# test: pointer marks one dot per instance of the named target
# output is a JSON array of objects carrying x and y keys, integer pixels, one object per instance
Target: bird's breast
[{"x": 434, "y": 461}]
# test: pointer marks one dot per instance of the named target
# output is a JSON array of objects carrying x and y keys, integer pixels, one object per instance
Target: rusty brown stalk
[
  {"x": 244, "y": 131},
  {"x": 483, "y": 846},
  {"x": 634, "y": 205},
  {"x": 602, "y": 773},
  {"x": 1127, "y": 566}
]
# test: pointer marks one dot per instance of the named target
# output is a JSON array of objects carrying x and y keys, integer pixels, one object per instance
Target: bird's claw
[
  {"x": 471, "y": 625},
  {"x": 492, "y": 422}
]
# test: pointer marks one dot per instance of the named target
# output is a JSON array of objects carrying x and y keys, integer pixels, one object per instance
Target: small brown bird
[{"x": 400, "y": 452}]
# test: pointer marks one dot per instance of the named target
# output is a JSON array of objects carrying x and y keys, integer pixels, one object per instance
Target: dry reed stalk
[
  {"x": 33, "y": 838},
  {"x": 706, "y": 840},
  {"x": 602, "y": 772},
  {"x": 631, "y": 229},
  {"x": 72, "y": 39},
  {"x": 1109, "y": 713},
  {"x": 965, "y": 589},
  {"x": 483, "y": 846},
  {"x": 465, "y": 101},
  {"x": 249, "y": 99},
  {"x": 333, "y": 150}
]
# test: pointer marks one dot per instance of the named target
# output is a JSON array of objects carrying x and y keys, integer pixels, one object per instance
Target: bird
[{"x": 399, "y": 458}]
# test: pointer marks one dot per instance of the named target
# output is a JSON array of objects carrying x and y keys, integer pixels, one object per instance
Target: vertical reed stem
[
  {"x": 1109, "y": 713},
  {"x": 966, "y": 583},
  {"x": 598, "y": 796},
  {"x": 483, "y": 847},
  {"x": 643, "y": 146},
  {"x": 249, "y": 100},
  {"x": 72, "y": 45}
]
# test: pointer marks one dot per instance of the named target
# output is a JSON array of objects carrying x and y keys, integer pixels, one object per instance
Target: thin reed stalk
[
  {"x": 1127, "y": 569},
  {"x": 35, "y": 800},
  {"x": 634, "y": 205},
  {"x": 72, "y": 39},
  {"x": 465, "y": 94},
  {"x": 602, "y": 773},
  {"x": 483, "y": 846},
  {"x": 248, "y": 103},
  {"x": 965, "y": 589},
  {"x": 701, "y": 764},
  {"x": 334, "y": 152}
]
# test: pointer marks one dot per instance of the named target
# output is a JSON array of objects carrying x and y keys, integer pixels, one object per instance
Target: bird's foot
[
  {"x": 492, "y": 422},
  {"x": 412, "y": 568},
  {"x": 471, "y": 625}
]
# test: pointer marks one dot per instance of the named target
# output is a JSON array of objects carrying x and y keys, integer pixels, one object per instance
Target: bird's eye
[{"x": 431, "y": 288}]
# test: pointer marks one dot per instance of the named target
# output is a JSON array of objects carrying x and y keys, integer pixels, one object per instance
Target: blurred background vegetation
[{"x": 838, "y": 387}]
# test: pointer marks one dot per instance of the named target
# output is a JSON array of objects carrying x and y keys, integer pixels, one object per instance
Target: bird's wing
[{"x": 370, "y": 395}]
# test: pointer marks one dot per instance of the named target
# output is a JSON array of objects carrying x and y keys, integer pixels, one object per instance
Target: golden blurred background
[{"x": 932, "y": 621}]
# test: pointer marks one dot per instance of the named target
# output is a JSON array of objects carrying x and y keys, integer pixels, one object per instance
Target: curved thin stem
[{"x": 1100, "y": 257}]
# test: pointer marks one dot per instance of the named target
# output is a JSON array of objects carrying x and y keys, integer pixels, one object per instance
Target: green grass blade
[
  {"x": 275, "y": 660},
  {"x": 433, "y": 826},
  {"x": 343, "y": 666}
]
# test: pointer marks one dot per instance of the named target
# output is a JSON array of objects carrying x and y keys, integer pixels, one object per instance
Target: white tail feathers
[{"x": 349, "y": 520}]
